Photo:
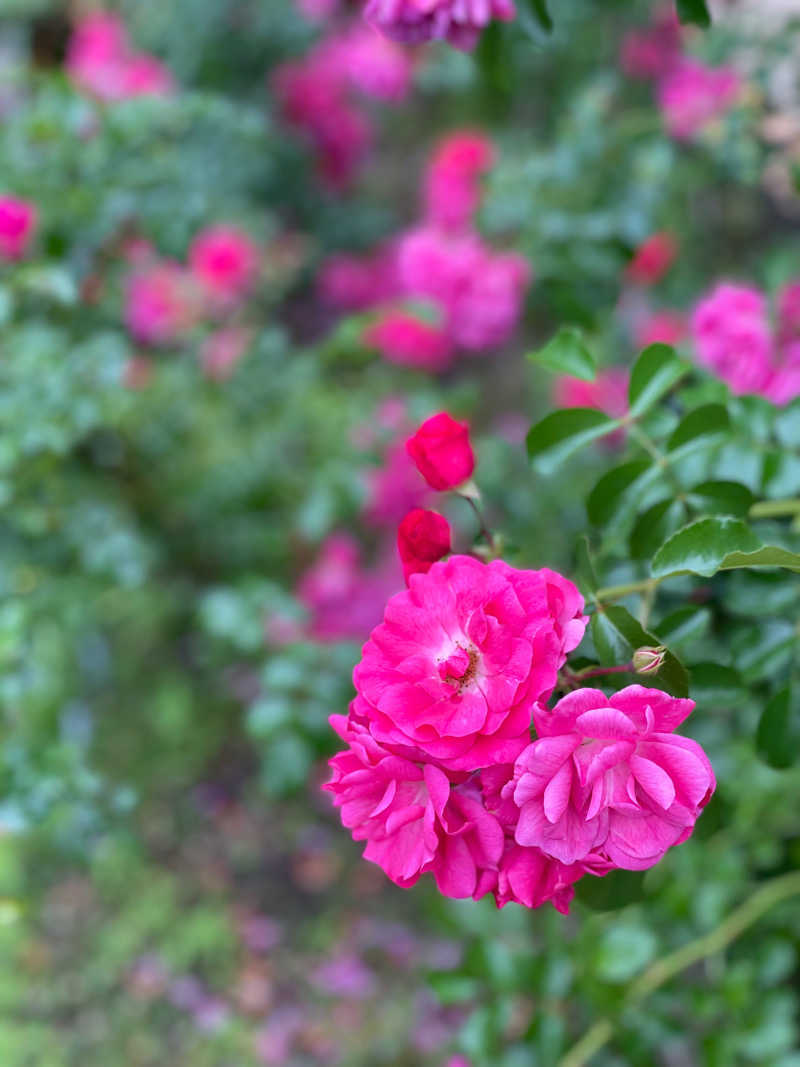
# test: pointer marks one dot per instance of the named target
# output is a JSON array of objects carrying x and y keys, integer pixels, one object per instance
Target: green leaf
[
  {"x": 616, "y": 635},
  {"x": 563, "y": 432},
  {"x": 584, "y": 568},
  {"x": 761, "y": 652},
  {"x": 694, "y": 11},
  {"x": 715, "y": 686},
  {"x": 611, "y": 892},
  {"x": 710, "y": 419},
  {"x": 714, "y": 544},
  {"x": 606, "y": 495},
  {"x": 566, "y": 353},
  {"x": 722, "y": 498},
  {"x": 778, "y": 734},
  {"x": 539, "y": 9},
  {"x": 654, "y": 526},
  {"x": 655, "y": 372},
  {"x": 685, "y": 625}
]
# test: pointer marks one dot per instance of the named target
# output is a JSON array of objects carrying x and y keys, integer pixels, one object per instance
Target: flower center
[{"x": 459, "y": 668}]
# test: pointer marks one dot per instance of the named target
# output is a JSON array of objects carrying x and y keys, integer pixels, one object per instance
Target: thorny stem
[{"x": 770, "y": 894}]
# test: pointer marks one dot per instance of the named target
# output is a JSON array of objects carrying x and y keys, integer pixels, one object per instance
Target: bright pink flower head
[
  {"x": 17, "y": 225},
  {"x": 529, "y": 877},
  {"x": 458, "y": 21},
  {"x": 225, "y": 261},
  {"x": 453, "y": 670},
  {"x": 693, "y": 95},
  {"x": 422, "y": 540},
  {"x": 100, "y": 60},
  {"x": 453, "y": 180},
  {"x": 411, "y": 817},
  {"x": 652, "y": 52},
  {"x": 145, "y": 75},
  {"x": 652, "y": 259},
  {"x": 608, "y": 392},
  {"x": 788, "y": 309},
  {"x": 731, "y": 333},
  {"x": 442, "y": 452},
  {"x": 344, "y": 598},
  {"x": 372, "y": 64},
  {"x": 660, "y": 327},
  {"x": 609, "y": 777},
  {"x": 160, "y": 304},
  {"x": 222, "y": 351},
  {"x": 407, "y": 340}
]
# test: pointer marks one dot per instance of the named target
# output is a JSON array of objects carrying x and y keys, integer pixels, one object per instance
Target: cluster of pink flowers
[
  {"x": 165, "y": 299},
  {"x": 458, "y": 21},
  {"x": 438, "y": 288},
  {"x": 318, "y": 95},
  {"x": 690, "y": 94},
  {"x": 101, "y": 61},
  {"x": 17, "y": 226},
  {"x": 441, "y": 775},
  {"x": 733, "y": 337}
]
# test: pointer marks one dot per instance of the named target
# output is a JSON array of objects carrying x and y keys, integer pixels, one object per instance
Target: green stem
[
  {"x": 768, "y": 509},
  {"x": 770, "y": 894},
  {"x": 617, "y": 592}
]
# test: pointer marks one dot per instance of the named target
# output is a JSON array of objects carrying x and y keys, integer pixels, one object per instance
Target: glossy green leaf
[
  {"x": 585, "y": 575},
  {"x": 708, "y": 420},
  {"x": 778, "y": 734},
  {"x": 567, "y": 353},
  {"x": 721, "y": 498},
  {"x": 684, "y": 626},
  {"x": 616, "y": 635},
  {"x": 694, "y": 11},
  {"x": 655, "y": 372},
  {"x": 563, "y": 432},
  {"x": 609, "y": 490},
  {"x": 654, "y": 526},
  {"x": 716, "y": 686},
  {"x": 714, "y": 544}
]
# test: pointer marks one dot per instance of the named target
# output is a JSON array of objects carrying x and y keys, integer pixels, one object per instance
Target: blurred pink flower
[
  {"x": 100, "y": 61},
  {"x": 224, "y": 260},
  {"x": 403, "y": 338},
  {"x": 345, "y": 975},
  {"x": 652, "y": 259},
  {"x": 608, "y": 392},
  {"x": 317, "y": 10},
  {"x": 453, "y": 180},
  {"x": 160, "y": 304},
  {"x": 370, "y": 63},
  {"x": 732, "y": 337},
  {"x": 458, "y": 21},
  {"x": 665, "y": 327},
  {"x": 693, "y": 95},
  {"x": 654, "y": 51},
  {"x": 354, "y": 283},
  {"x": 393, "y": 488},
  {"x": 452, "y": 671},
  {"x": 222, "y": 350},
  {"x": 17, "y": 225},
  {"x": 609, "y": 776}
]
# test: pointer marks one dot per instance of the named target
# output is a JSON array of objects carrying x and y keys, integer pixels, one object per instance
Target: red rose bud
[
  {"x": 422, "y": 539},
  {"x": 652, "y": 259},
  {"x": 441, "y": 450},
  {"x": 649, "y": 660}
]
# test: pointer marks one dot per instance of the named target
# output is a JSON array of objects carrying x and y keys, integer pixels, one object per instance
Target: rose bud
[
  {"x": 422, "y": 539},
  {"x": 652, "y": 259},
  {"x": 442, "y": 452},
  {"x": 648, "y": 660}
]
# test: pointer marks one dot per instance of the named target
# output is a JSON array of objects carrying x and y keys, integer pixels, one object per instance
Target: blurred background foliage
[{"x": 173, "y": 886}]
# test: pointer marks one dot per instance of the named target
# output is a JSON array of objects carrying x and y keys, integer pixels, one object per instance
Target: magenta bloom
[
  {"x": 101, "y": 61},
  {"x": 665, "y": 327},
  {"x": 693, "y": 95},
  {"x": 225, "y": 261},
  {"x": 453, "y": 180},
  {"x": 393, "y": 488},
  {"x": 652, "y": 52},
  {"x": 732, "y": 337},
  {"x": 458, "y": 21},
  {"x": 423, "y": 539},
  {"x": 453, "y": 670},
  {"x": 442, "y": 452},
  {"x": 407, "y": 340},
  {"x": 372, "y": 65},
  {"x": 354, "y": 283},
  {"x": 608, "y": 392},
  {"x": 412, "y": 818},
  {"x": 609, "y": 777},
  {"x": 652, "y": 259},
  {"x": 17, "y": 225},
  {"x": 160, "y": 304}
]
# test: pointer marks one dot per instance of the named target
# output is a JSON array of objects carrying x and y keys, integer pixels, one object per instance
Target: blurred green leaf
[
  {"x": 778, "y": 734},
  {"x": 567, "y": 353},
  {"x": 706, "y": 421},
  {"x": 563, "y": 432},
  {"x": 721, "y": 498},
  {"x": 694, "y": 11},
  {"x": 607, "y": 493},
  {"x": 655, "y": 372},
  {"x": 613, "y": 891},
  {"x": 540, "y": 12}
]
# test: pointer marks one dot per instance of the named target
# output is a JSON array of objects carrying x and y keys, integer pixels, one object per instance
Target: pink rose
[
  {"x": 402, "y": 338},
  {"x": 458, "y": 21},
  {"x": 442, "y": 452},
  {"x": 693, "y": 95},
  {"x": 101, "y": 61},
  {"x": 667, "y": 327},
  {"x": 453, "y": 180},
  {"x": 225, "y": 261},
  {"x": 17, "y": 225},
  {"x": 422, "y": 540},
  {"x": 160, "y": 304},
  {"x": 652, "y": 259},
  {"x": 412, "y": 817},
  {"x": 453, "y": 670},
  {"x": 732, "y": 337},
  {"x": 609, "y": 777}
]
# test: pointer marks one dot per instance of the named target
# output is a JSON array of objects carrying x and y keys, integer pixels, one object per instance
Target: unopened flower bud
[{"x": 648, "y": 660}]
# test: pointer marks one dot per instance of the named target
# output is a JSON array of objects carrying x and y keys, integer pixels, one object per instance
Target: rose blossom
[
  {"x": 652, "y": 259},
  {"x": 160, "y": 303},
  {"x": 660, "y": 327},
  {"x": 442, "y": 452},
  {"x": 101, "y": 61},
  {"x": 458, "y": 21},
  {"x": 693, "y": 95},
  {"x": 608, "y": 776},
  {"x": 411, "y": 816},
  {"x": 453, "y": 670},
  {"x": 224, "y": 260},
  {"x": 409, "y": 341},
  {"x": 652, "y": 52},
  {"x": 422, "y": 539},
  {"x": 732, "y": 337},
  {"x": 17, "y": 225},
  {"x": 371, "y": 64},
  {"x": 452, "y": 183}
]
